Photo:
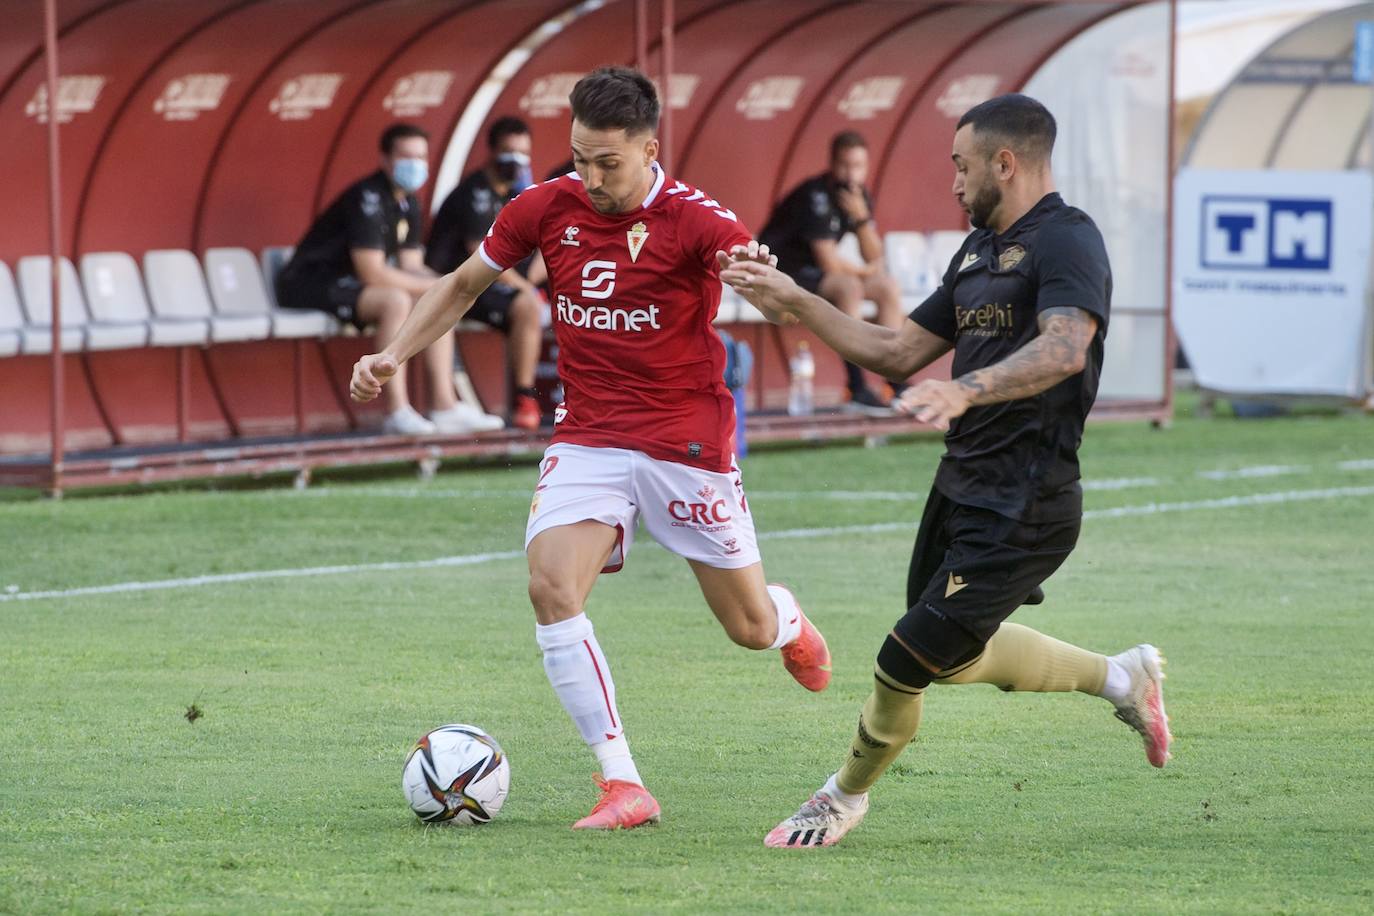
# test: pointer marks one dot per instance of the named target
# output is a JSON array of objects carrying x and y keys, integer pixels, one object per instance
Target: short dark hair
[
  {"x": 508, "y": 126},
  {"x": 846, "y": 139},
  {"x": 400, "y": 132},
  {"x": 1014, "y": 121},
  {"x": 615, "y": 97}
]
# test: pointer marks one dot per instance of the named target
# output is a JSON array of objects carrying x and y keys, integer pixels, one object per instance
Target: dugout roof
[
  {"x": 1295, "y": 106},
  {"x": 197, "y": 123}
]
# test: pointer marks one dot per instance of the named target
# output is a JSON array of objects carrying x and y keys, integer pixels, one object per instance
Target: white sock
[
  {"x": 616, "y": 762},
  {"x": 580, "y": 676},
  {"x": 789, "y": 615},
  {"x": 1117, "y": 686},
  {"x": 841, "y": 798}
]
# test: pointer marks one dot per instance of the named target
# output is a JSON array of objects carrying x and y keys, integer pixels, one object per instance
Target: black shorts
[
  {"x": 337, "y": 296},
  {"x": 970, "y": 569},
  {"x": 492, "y": 308},
  {"x": 808, "y": 278}
]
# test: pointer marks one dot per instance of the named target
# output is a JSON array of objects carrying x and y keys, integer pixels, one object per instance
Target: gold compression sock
[
  {"x": 887, "y": 724},
  {"x": 1019, "y": 658}
]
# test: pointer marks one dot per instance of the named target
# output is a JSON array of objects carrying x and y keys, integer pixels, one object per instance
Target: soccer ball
[{"x": 456, "y": 774}]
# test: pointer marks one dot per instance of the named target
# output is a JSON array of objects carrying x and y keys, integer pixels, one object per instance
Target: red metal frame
[{"x": 55, "y": 246}]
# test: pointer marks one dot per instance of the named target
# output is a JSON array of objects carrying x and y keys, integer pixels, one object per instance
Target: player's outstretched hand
[
  {"x": 765, "y": 287},
  {"x": 936, "y": 402},
  {"x": 754, "y": 251},
  {"x": 369, "y": 375}
]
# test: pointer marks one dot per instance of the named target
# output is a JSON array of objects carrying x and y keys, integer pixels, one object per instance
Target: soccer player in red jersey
[{"x": 644, "y": 430}]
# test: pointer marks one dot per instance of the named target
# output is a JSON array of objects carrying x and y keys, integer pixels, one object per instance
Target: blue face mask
[{"x": 410, "y": 174}]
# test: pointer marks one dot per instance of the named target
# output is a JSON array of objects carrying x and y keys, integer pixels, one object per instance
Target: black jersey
[
  {"x": 463, "y": 220},
  {"x": 1020, "y": 458},
  {"x": 809, "y": 213},
  {"x": 366, "y": 215}
]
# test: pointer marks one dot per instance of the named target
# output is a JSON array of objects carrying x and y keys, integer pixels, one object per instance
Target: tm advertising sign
[{"x": 1270, "y": 276}]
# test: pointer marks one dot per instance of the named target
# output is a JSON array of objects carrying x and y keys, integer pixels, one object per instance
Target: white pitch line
[
  {"x": 1121, "y": 483},
  {"x": 1262, "y": 470},
  {"x": 1358, "y": 464},
  {"x": 1231, "y": 502},
  {"x": 1227, "y": 502},
  {"x": 471, "y": 559}
]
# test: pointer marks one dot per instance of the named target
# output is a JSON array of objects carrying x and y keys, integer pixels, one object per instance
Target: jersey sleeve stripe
[{"x": 482, "y": 253}]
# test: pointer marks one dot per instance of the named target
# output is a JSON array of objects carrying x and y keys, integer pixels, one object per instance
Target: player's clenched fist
[{"x": 369, "y": 375}]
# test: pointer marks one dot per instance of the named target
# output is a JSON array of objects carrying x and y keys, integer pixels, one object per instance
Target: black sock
[
  {"x": 854, "y": 378},
  {"x": 527, "y": 393}
]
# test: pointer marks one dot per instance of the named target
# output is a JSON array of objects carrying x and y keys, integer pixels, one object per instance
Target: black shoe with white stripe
[{"x": 819, "y": 822}]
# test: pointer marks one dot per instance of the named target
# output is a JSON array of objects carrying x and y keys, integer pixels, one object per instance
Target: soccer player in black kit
[{"x": 1024, "y": 304}]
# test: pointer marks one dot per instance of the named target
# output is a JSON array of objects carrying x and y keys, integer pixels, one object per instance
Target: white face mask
[{"x": 410, "y": 174}]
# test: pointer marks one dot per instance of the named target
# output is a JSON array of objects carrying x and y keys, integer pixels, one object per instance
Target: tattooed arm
[{"x": 1058, "y": 352}]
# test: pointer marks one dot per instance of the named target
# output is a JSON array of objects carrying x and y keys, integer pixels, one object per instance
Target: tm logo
[{"x": 1264, "y": 233}]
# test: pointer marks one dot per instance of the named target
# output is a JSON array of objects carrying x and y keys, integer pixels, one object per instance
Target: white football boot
[
  {"x": 1143, "y": 707},
  {"x": 819, "y": 822}
]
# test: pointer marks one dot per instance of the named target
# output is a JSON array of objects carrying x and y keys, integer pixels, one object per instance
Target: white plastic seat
[
  {"x": 944, "y": 244},
  {"x": 35, "y": 293},
  {"x": 176, "y": 289},
  {"x": 11, "y": 315},
  {"x": 114, "y": 294},
  {"x": 288, "y": 322},
  {"x": 237, "y": 288},
  {"x": 728, "y": 313},
  {"x": 848, "y": 248},
  {"x": 908, "y": 260},
  {"x": 273, "y": 259}
]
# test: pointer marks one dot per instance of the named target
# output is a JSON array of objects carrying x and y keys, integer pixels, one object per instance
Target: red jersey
[{"x": 634, "y": 295}]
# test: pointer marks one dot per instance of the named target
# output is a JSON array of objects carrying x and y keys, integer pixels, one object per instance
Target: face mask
[
  {"x": 510, "y": 165},
  {"x": 410, "y": 174}
]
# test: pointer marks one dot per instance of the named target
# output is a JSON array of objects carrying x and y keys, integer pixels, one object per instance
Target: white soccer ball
[{"x": 456, "y": 774}]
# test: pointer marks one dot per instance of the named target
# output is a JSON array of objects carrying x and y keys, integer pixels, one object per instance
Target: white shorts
[{"x": 697, "y": 514}]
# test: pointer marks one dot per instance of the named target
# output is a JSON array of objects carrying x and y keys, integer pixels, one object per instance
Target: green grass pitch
[{"x": 1242, "y": 548}]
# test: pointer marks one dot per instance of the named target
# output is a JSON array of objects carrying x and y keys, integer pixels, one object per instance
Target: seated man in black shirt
[
  {"x": 362, "y": 262},
  {"x": 511, "y": 304},
  {"x": 803, "y": 231}
]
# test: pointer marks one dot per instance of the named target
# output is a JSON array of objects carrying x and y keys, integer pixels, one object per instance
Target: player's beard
[{"x": 988, "y": 198}]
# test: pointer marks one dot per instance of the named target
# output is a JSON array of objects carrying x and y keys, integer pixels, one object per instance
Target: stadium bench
[
  {"x": 11, "y": 315},
  {"x": 115, "y": 297},
  {"x": 909, "y": 263},
  {"x": 237, "y": 288},
  {"x": 176, "y": 289},
  {"x": 35, "y": 294}
]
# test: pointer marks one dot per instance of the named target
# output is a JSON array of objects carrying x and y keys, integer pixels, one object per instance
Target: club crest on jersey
[
  {"x": 1011, "y": 257},
  {"x": 570, "y": 237},
  {"x": 636, "y": 237}
]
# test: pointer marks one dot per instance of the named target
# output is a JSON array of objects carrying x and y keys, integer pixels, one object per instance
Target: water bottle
[{"x": 803, "y": 367}]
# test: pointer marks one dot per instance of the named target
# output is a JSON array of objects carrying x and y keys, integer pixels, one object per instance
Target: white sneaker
[
  {"x": 819, "y": 822},
  {"x": 407, "y": 422},
  {"x": 465, "y": 418},
  {"x": 1143, "y": 708}
]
